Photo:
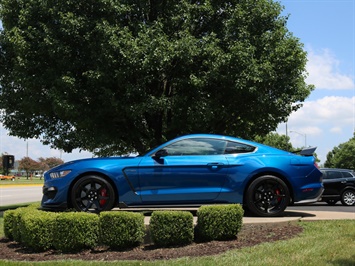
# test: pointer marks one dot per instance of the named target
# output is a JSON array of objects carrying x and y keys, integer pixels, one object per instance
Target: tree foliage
[
  {"x": 113, "y": 76},
  {"x": 47, "y": 163},
  {"x": 28, "y": 165},
  {"x": 31, "y": 166},
  {"x": 281, "y": 142},
  {"x": 342, "y": 156}
]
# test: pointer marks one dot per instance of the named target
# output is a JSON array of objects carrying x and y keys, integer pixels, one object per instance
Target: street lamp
[{"x": 304, "y": 135}]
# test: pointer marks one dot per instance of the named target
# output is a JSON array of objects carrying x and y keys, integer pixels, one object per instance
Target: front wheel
[
  {"x": 348, "y": 198},
  {"x": 267, "y": 196},
  {"x": 92, "y": 194}
]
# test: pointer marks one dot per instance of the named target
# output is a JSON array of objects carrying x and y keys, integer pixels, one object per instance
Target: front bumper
[{"x": 48, "y": 204}]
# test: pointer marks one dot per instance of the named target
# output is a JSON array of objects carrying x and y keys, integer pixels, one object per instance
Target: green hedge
[
  {"x": 121, "y": 229},
  {"x": 76, "y": 231},
  {"x": 16, "y": 223},
  {"x": 9, "y": 222},
  {"x": 171, "y": 228},
  {"x": 12, "y": 220},
  {"x": 219, "y": 222},
  {"x": 37, "y": 229},
  {"x": 73, "y": 231}
]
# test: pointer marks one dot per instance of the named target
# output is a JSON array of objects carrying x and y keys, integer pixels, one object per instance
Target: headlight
[{"x": 59, "y": 174}]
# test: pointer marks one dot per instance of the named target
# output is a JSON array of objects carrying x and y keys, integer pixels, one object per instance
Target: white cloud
[
  {"x": 323, "y": 69},
  {"x": 336, "y": 130},
  {"x": 335, "y": 111},
  {"x": 324, "y": 123}
]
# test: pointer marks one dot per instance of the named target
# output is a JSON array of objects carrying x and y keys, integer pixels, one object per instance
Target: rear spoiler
[{"x": 308, "y": 151}]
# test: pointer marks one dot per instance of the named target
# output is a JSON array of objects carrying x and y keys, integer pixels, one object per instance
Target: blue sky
[
  {"x": 327, "y": 30},
  {"x": 327, "y": 119}
]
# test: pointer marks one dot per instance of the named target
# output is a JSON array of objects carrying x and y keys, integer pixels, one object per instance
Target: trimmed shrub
[
  {"x": 219, "y": 222},
  {"x": 121, "y": 229},
  {"x": 37, "y": 228},
  {"x": 76, "y": 231},
  {"x": 16, "y": 225},
  {"x": 36, "y": 205},
  {"x": 169, "y": 228},
  {"x": 12, "y": 219},
  {"x": 9, "y": 221}
]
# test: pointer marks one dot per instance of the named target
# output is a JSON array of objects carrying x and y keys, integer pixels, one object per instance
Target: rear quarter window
[
  {"x": 236, "y": 147},
  {"x": 347, "y": 174}
]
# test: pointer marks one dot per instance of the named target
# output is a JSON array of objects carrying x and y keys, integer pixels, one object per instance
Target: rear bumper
[{"x": 312, "y": 200}]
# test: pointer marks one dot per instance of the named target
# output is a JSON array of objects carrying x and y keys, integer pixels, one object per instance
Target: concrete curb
[{"x": 291, "y": 217}]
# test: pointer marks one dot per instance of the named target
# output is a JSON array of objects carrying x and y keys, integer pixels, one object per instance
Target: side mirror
[{"x": 161, "y": 153}]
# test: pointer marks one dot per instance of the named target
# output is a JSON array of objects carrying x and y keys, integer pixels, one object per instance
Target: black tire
[
  {"x": 348, "y": 197},
  {"x": 92, "y": 194},
  {"x": 267, "y": 196},
  {"x": 331, "y": 202}
]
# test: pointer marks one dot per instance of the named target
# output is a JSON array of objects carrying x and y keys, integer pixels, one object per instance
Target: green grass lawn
[
  {"x": 321, "y": 243},
  {"x": 22, "y": 181}
]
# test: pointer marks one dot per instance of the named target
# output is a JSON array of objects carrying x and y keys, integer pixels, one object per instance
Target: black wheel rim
[
  {"x": 92, "y": 196},
  {"x": 269, "y": 197}
]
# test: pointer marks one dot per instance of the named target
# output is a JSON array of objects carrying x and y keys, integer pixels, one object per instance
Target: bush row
[{"x": 74, "y": 231}]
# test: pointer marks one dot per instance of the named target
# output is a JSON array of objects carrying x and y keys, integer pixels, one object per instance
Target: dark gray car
[{"x": 339, "y": 184}]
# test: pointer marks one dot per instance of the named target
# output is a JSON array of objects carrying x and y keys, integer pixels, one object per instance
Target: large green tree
[
  {"x": 342, "y": 156},
  {"x": 112, "y": 76}
]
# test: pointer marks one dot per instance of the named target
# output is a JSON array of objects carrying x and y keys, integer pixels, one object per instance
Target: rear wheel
[
  {"x": 92, "y": 194},
  {"x": 267, "y": 196},
  {"x": 348, "y": 198}
]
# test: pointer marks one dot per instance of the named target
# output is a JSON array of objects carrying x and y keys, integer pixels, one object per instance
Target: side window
[
  {"x": 196, "y": 147},
  {"x": 334, "y": 175},
  {"x": 236, "y": 147},
  {"x": 347, "y": 174}
]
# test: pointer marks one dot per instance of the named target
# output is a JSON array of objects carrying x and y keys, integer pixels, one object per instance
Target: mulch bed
[{"x": 250, "y": 235}]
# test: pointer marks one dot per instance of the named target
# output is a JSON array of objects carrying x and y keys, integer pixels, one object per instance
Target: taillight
[{"x": 316, "y": 165}]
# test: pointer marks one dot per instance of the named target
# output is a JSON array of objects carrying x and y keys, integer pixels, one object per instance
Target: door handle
[{"x": 215, "y": 165}]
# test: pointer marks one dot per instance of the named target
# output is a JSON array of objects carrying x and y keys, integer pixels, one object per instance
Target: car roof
[
  {"x": 261, "y": 147},
  {"x": 231, "y": 138},
  {"x": 337, "y": 169}
]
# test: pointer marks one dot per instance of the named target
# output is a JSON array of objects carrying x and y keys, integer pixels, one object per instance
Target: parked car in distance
[
  {"x": 188, "y": 171},
  {"x": 339, "y": 184},
  {"x": 7, "y": 177}
]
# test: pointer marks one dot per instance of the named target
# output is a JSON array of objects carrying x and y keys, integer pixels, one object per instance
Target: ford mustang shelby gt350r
[{"x": 192, "y": 170}]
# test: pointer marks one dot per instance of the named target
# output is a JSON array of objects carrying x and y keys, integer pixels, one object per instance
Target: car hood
[{"x": 97, "y": 162}]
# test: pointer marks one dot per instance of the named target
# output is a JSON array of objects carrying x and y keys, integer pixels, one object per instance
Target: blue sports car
[{"x": 188, "y": 171}]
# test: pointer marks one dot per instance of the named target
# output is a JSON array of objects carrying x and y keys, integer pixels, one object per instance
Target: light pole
[{"x": 304, "y": 135}]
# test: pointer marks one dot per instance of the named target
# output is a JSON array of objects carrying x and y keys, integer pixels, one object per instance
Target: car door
[
  {"x": 190, "y": 171},
  {"x": 349, "y": 179},
  {"x": 333, "y": 182}
]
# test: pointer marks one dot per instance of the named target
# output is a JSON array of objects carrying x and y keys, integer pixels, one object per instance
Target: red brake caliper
[
  {"x": 103, "y": 193},
  {"x": 278, "y": 193}
]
